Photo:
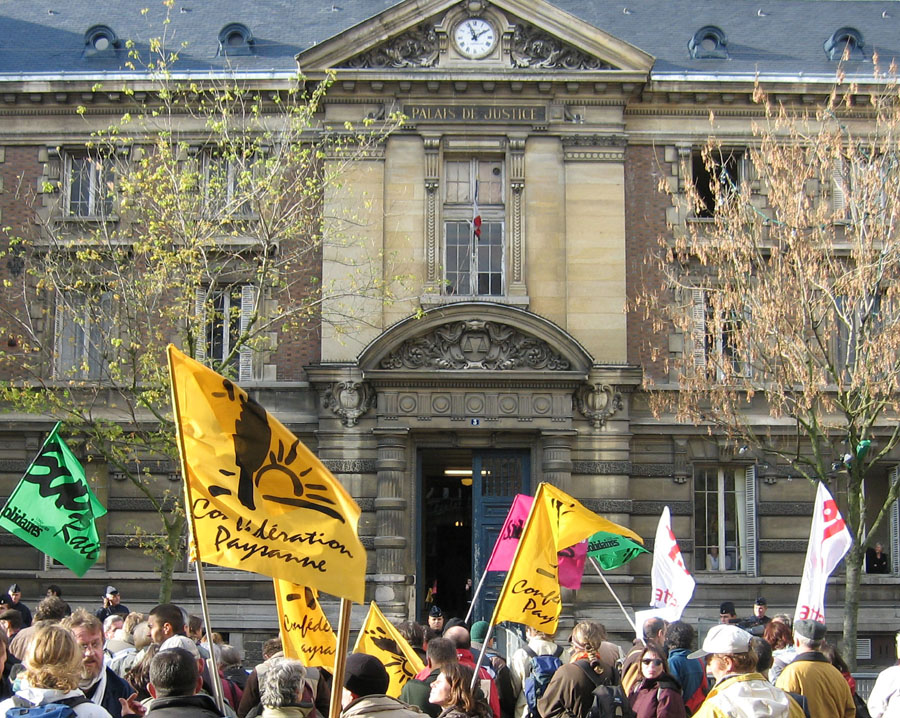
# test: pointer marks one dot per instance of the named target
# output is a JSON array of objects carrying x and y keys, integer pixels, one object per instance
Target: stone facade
[{"x": 550, "y": 365}]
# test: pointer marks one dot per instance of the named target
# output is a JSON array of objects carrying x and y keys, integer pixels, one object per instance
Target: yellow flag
[
  {"x": 380, "y": 639},
  {"x": 259, "y": 500},
  {"x": 305, "y": 631},
  {"x": 530, "y": 593}
]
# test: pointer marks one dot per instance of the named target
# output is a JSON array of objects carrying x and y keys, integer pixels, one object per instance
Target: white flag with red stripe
[
  {"x": 672, "y": 585},
  {"x": 829, "y": 541}
]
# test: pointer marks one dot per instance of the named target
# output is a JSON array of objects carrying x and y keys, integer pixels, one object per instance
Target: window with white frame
[
  {"x": 715, "y": 175},
  {"x": 714, "y": 338},
  {"x": 89, "y": 186},
  {"x": 84, "y": 326},
  {"x": 474, "y": 216},
  {"x": 725, "y": 519},
  {"x": 227, "y": 182},
  {"x": 228, "y": 311}
]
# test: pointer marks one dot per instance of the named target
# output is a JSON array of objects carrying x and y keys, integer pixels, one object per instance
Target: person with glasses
[{"x": 657, "y": 694}]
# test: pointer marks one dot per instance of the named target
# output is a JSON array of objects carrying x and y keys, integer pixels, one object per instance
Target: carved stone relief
[
  {"x": 475, "y": 344},
  {"x": 532, "y": 47},
  {"x": 598, "y": 402},
  {"x": 418, "y": 47},
  {"x": 348, "y": 400}
]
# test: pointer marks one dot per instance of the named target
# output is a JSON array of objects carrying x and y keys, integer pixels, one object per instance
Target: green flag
[
  {"x": 53, "y": 508},
  {"x": 612, "y": 550}
]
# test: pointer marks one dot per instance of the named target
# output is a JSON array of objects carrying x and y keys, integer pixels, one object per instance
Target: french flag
[{"x": 476, "y": 215}]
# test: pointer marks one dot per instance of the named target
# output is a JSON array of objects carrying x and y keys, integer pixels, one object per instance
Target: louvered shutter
[
  {"x": 698, "y": 298},
  {"x": 895, "y": 526},
  {"x": 200, "y": 318},
  {"x": 750, "y": 519},
  {"x": 248, "y": 304},
  {"x": 838, "y": 185}
]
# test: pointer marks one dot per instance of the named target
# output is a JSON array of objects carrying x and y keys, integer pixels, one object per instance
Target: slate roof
[{"x": 773, "y": 37}]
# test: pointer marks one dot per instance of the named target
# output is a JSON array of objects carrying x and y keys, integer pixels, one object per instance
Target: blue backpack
[
  {"x": 63, "y": 709},
  {"x": 542, "y": 670}
]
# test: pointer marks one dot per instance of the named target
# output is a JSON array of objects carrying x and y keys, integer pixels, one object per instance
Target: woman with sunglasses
[{"x": 657, "y": 694}]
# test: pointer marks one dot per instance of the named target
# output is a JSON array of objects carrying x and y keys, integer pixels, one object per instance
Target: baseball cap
[
  {"x": 810, "y": 630},
  {"x": 182, "y": 642},
  {"x": 724, "y": 638},
  {"x": 111, "y": 591},
  {"x": 726, "y": 608}
]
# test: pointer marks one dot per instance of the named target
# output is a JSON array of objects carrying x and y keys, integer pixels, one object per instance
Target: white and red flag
[
  {"x": 672, "y": 585},
  {"x": 829, "y": 540},
  {"x": 476, "y": 215}
]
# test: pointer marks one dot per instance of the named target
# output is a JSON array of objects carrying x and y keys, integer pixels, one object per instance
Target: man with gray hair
[
  {"x": 811, "y": 674},
  {"x": 281, "y": 690}
]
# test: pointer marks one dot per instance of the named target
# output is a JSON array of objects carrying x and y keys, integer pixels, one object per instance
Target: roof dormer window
[
  {"x": 100, "y": 41},
  {"x": 845, "y": 44},
  {"x": 235, "y": 39},
  {"x": 709, "y": 43}
]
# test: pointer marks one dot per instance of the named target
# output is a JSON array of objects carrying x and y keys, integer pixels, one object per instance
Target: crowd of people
[{"x": 114, "y": 662}]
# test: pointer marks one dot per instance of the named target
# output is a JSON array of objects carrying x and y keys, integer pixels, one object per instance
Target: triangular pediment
[{"x": 527, "y": 36}]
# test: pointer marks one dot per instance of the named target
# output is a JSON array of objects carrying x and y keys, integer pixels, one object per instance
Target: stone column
[
  {"x": 556, "y": 463},
  {"x": 393, "y": 522}
]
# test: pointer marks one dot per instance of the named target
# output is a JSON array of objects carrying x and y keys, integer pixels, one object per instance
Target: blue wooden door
[{"x": 497, "y": 476}]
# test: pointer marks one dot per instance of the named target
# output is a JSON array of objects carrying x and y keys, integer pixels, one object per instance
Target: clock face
[{"x": 475, "y": 37}]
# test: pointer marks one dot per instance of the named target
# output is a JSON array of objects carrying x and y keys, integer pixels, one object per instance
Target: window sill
[
  {"x": 88, "y": 219},
  {"x": 431, "y": 301}
]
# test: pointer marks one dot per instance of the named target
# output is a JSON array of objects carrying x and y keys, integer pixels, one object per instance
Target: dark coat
[
  {"x": 415, "y": 692},
  {"x": 198, "y": 706},
  {"x": 115, "y": 688},
  {"x": 570, "y": 693},
  {"x": 657, "y": 698}
]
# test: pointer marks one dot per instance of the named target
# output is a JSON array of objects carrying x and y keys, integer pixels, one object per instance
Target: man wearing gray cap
[
  {"x": 811, "y": 674},
  {"x": 740, "y": 692}
]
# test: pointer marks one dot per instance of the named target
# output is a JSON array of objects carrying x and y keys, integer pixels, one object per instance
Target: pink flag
[
  {"x": 571, "y": 560},
  {"x": 829, "y": 540}
]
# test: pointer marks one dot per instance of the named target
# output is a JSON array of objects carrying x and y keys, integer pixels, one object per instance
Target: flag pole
[
  {"x": 508, "y": 574},
  {"x": 340, "y": 659},
  {"x": 198, "y": 563},
  {"x": 606, "y": 583},
  {"x": 484, "y": 645},
  {"x": 475, "y": 596}
]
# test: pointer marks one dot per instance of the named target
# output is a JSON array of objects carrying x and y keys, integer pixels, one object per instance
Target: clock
[{"x": 475, "y": 37}]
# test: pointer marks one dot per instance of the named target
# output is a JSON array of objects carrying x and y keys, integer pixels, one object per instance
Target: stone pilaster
[
  {"x": 393, "y": 521},
  {"x": 556, "y": 463}
]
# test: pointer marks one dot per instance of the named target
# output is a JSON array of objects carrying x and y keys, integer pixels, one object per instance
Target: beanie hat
[{"x": 365, "y": 675}]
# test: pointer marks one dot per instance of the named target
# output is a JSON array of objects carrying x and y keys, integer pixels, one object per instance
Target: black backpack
[{"x": 608, "y": 701}]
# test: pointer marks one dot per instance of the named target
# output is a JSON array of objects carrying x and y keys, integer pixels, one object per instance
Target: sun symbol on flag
[{"x": 256, "y": 462}]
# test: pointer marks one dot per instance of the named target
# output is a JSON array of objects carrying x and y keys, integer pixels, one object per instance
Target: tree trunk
[
  {"x": 171, "y": 556},
  {"x": 854, "y": 564}
]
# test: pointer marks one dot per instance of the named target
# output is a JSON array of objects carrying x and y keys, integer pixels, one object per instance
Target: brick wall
[{"x": 645, "y": 222}]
